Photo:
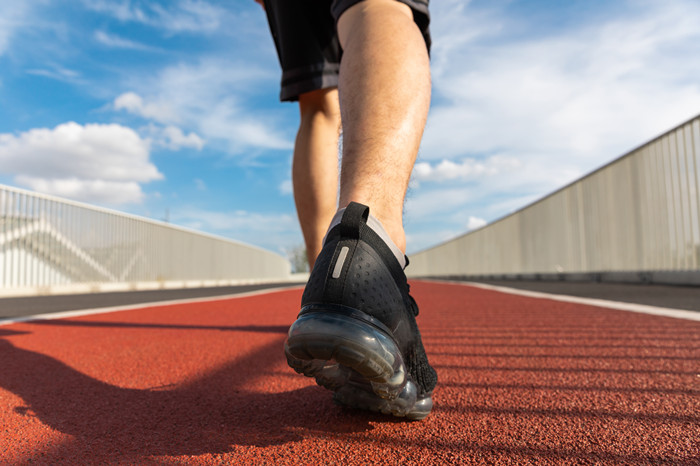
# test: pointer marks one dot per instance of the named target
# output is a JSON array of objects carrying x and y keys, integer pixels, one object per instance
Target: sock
[{"x": 378, "y": 228}]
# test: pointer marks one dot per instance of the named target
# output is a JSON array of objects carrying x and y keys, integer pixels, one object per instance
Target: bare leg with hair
[
  {"x": 384, "y": 96},
  {"x": 315, "y": 166}
]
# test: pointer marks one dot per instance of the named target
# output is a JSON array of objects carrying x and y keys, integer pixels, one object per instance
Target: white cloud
[
  {"x": 123, "y": 10},
  {"x": 209, "y": 97},
  {"x": 93, "y": 191},
  {"x": 475, "y": 222},
  {"x": 113, "y": 41},
  {"x": 12, "y": 16},
  {"x": 169, "y": 136},
  {"x": 466, "y": 169},
  {"x": 588, "y": 92},
  {"x": 189, "y": 16},
  {"x": 93, "y": 163},
  {"x": 134, "y": 104},
  {"x": 58, "y": 73},
  {"x": 274, "y": 231},
  {"x": 174, "y": 138}
]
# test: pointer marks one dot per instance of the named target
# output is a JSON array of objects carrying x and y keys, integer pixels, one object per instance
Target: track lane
[{"x": 522, "y": 381}]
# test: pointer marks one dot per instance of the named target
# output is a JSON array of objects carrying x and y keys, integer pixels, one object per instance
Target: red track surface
[{"x": 522, "y": 381}]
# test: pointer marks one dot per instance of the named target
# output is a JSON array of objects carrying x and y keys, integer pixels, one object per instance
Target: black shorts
[{"x": 307, "y": 44}]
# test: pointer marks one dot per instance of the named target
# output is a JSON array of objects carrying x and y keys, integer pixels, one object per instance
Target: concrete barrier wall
[
  {"x": 639, "y": 215},
  {"x": 47, "y": 244}
]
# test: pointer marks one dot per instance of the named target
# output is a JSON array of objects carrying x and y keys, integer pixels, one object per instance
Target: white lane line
[
  {"x": 641, "y": 308},
  {"x": 104, "y": 310}
]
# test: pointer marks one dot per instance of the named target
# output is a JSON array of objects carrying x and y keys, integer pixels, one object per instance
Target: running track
[{"x": 523, "y": 380}]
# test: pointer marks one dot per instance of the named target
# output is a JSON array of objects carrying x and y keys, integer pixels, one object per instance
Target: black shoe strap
[
  {"x": 353, "y": 225},
  {"x": 354, "y": 218}
]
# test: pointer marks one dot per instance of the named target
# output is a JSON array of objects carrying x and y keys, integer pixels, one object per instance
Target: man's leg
[
  {"x": 315, "y": 166},
  {"x": 385, "y": 96},
  {"x": 356, "y": 332}
]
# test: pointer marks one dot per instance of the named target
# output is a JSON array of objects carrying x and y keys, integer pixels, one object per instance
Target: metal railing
[
  {"x": 46, "y": 241},
  {"x": 639, "y": 214}
]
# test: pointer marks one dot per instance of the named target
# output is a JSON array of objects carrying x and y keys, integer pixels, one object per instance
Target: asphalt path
[
  {"x": 32, "y": 305},
  {"x": 675, "y": 297},
  {"x": 671, "y": 296}
]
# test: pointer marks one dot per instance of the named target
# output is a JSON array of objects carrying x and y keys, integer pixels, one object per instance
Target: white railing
[
  {"x": 639, "y": 214},
  {"x": 47, "y": 242}
]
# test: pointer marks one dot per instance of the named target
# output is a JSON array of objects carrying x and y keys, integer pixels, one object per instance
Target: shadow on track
[
  {"x": 224, "y": 328},
  {"x": 208, "y": 415}
]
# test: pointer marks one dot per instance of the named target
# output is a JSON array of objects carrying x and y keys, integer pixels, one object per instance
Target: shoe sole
[
  {"x": 358, "y": 361},
  {"x": 407, "y": 404}
]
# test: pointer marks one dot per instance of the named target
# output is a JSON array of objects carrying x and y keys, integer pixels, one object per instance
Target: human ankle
[{"x": 397, "y": 235}]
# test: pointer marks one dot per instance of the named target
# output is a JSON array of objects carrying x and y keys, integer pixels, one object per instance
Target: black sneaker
[{"x": 356, "y": 332}]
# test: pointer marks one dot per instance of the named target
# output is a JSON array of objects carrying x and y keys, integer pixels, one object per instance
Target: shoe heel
[
  {"x": 356, "y": 395},
  {"x": 319, "y": 337}
]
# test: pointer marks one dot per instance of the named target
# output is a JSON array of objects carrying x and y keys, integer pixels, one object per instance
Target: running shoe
[{"x": 356, "y": 333}]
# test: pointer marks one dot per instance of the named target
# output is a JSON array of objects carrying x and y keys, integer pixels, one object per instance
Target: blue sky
[{"x": 169, "y": 109}]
